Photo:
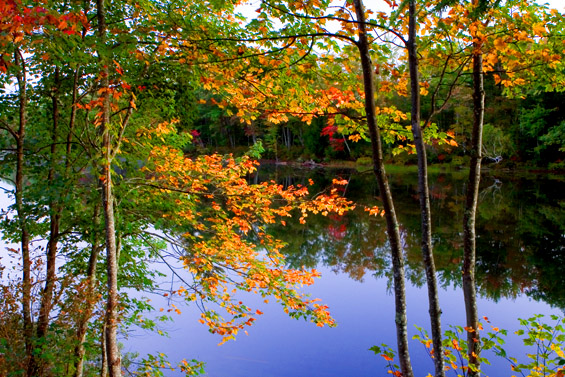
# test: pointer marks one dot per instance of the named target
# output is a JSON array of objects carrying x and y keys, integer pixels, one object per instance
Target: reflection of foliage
[
  {"x": 520, "y": 227},
  {"x": 544, "y": 235},
  {"x": 345, "y": 244},
  {"x": 525, "y": 239}
]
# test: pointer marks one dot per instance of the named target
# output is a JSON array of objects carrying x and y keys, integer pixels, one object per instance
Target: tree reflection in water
[{"x": 520, "y": 228}]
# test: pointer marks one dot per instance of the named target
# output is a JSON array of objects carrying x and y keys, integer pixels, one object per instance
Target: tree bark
[
  {"x": 388, "y": 204},
  {"x": 423, "y": 193},
  {"x": 72, "y": 119},
  {"x": 21, "y": 77},
  {"x": 471, "y": 200},
  {"x": 104, "y": 355},
  {"x": 54, "y": 222},
  {"x": 112, "y": 350},
  {"x": 90, "y": 299}
]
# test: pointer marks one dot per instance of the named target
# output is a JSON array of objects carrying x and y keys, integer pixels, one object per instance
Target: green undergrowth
[{"x": 543, "y": 337}]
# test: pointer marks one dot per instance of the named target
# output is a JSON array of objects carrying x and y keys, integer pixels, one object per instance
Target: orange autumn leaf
[{"x": 386, "y": 357}]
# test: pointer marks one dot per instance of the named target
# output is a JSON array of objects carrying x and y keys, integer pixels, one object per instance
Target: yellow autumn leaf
[
  {"x": 519, "y": 81},
  {"x": 491, "y": 59},
  {"x": 557, "y": 350},
  {"x": 354, "y": 138},
  {"x": 500, "y": 44},
  {"x": 539, "y": 29}
]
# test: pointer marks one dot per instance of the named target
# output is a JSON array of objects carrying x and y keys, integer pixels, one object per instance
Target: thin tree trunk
[
  {"x": 288, "y": 137},
  {"x": 253, "y": 134},
  {"x": 72, "y": 120},
  {"x": 82, "y": 323},
  {"x": 423, "y": 192},
  {"x": 112, "y": 350},
  {"x": 19, "y": 183},
  {"x": 388, "y": 205},
  {"x": 54, "y": 222},
  {"x": 471, "y": 200},
  {"x": 43, "y": 320},
  {"x": 104, "y": 354},
  {"x": 90, "y": 299},
  {"x": 347, "y": 145}
]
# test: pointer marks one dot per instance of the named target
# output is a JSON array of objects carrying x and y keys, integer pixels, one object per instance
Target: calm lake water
[{"x": 520, "y": 269}]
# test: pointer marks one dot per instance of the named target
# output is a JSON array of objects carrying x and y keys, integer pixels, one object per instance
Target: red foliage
[{"x": 336, "y": 143}]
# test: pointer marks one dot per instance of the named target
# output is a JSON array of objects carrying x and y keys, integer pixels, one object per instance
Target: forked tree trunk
[
  {"x": 471, "y": 199},
  {"x": 112, "y": 350},
  {"x": 423, "y": 193},
  {"x": 388, "y": 205}
]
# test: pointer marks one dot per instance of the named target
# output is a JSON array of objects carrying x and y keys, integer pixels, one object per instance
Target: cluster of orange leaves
[
  {"x": 514, "y": 40},
  {"x": 221, "y": 219},
  {"x": 18, "y": 21}
]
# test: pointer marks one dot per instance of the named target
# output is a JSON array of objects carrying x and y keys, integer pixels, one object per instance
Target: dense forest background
[{"x": 519, "y": 132}]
